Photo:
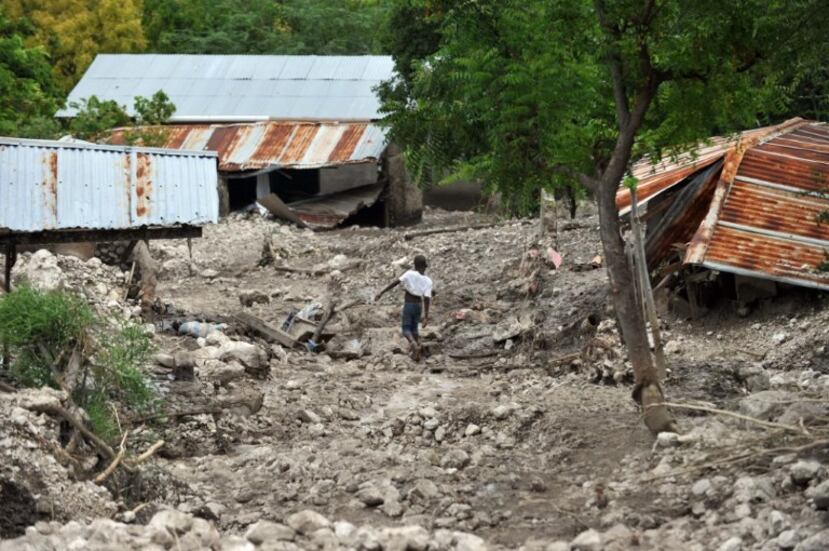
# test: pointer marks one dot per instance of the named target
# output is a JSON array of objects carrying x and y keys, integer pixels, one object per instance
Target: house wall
[
  {"x": 404, "y": 200},
  {"x": 346, "y": 177}
]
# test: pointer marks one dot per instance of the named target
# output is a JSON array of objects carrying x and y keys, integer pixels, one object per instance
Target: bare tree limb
[{"x": 122, "y": 450}]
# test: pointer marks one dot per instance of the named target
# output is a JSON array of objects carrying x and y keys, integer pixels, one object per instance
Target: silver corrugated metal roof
[
  {"x": 236, "y": 88},
  {"x": 51, "y": 185}
]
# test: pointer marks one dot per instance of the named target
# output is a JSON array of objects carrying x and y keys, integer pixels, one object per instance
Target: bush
[{"x": 43, "y": 330}]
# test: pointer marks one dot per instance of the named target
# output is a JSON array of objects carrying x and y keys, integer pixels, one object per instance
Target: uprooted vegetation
[{"x": 55, "y": 339}]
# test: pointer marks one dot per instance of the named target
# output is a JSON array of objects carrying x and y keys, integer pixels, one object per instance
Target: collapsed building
[
  {"x": 752, "y": 207},
  {"x": 297, "y": 134}
]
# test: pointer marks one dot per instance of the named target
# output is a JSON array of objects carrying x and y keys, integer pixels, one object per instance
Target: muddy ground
[{"x": 507, "y": 430}]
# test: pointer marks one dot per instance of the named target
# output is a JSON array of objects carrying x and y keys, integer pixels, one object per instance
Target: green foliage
[
  {"x": 42, "y": 331},
  {"x": 264, "y": 26},
  {"x": 95, "y": 117},
  {"x": 521, "y": 94},
  {"x": 28, "y": 94},
  {"x": 156, "y": 110}
]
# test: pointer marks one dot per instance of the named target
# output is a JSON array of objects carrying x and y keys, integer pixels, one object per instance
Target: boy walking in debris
[{"x": 416, "y": 301}]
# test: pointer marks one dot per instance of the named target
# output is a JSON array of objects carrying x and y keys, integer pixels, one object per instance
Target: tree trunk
[{"x": 629, "y": 313}]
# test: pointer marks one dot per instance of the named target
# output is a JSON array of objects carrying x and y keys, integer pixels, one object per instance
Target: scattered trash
[{"x": 200, "y": 329}]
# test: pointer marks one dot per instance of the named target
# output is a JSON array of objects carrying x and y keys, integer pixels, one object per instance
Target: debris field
[{"x": 516, "y": 431}]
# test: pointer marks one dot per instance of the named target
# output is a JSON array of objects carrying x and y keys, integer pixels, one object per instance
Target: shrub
[{"x": 43, "y": 330}]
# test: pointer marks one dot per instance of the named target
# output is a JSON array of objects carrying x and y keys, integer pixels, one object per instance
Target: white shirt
[{"x": 416, "y": 284}]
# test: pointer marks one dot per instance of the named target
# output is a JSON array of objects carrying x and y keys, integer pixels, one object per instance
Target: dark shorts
[{"x": 411, "y": 318}]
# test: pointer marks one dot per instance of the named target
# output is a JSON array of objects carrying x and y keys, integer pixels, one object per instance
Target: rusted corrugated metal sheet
[
  {"x": 655, "y": 178},
  {"x": 51, "y": 185},
  {"x": 275, "y": 145},
  {"x": 763, "y": 219},
  {"x": 331, "y": 210}
]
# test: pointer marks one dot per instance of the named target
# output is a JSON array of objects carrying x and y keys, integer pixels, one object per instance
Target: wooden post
[
  {"x": 11, "y": 258},
  {"x": 645, "y": 286}
]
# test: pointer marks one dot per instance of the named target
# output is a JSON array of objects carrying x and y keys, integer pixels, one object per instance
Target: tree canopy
[{"x": 515, "y": 91}]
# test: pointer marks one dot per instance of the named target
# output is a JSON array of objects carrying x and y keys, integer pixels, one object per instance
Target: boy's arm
[
  {"x": 388, "y": 287},
  {"x": 427, "y": 301}
]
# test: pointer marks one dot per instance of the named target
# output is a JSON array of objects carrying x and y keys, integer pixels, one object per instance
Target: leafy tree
[
  {"x": 544, "y": 92},
  {"x": 28, "y": 95},
  {"x": 74, "y": 31},
  {"x": 95, "y": 117},
  {"x": 263, "y": 26}
]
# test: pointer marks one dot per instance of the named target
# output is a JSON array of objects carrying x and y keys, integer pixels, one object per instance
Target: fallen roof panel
[
  {"x": 272, "y": 145},
  {"x": 330, "y": 211}
]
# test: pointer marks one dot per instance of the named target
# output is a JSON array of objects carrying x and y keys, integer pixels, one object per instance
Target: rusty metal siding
[
  {"x": 301, "y": 145},
  {"x": 59, "y": 185}
]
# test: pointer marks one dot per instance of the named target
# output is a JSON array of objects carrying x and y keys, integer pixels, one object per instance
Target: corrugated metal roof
[
  {"x": 257, "y": 146},
  {"x": 763, "y": 220},
  {"x": 657, "y": 177},
  {"x": 236, "y": 88},
  {"x": 51, "y": 185}
]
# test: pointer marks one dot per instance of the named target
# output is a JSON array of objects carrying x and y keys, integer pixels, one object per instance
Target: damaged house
[
  {"x": 752, "y": 209},
  {"x": 297, "y": 134}
]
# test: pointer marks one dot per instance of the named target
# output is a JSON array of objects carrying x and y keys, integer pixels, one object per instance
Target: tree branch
[{"x": 614, "y": 59}]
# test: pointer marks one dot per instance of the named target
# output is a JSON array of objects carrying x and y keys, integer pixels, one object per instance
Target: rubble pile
[{"x": 36, "y": 478}]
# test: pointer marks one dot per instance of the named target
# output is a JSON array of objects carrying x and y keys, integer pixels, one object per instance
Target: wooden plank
[{"x": 264, "y": 330}]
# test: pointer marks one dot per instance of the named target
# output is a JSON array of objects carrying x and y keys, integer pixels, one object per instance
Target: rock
[
  {"x": 343, "y": 529},
  {"x": 807, "y": 411},
  {"x": 820, "y": 495},
  {"x": 777, "y": 522},
  {"x": 440, "y": 434},
  {"x": 249, "y": 355},
  {"x": 558, "y": 546},
  {"x": 236, "y": 543},
  {"x": 667, "y": 439},
  {"x": 308, "y": 416},
  {"x": 765, "y": 405},
  {"x": 701, "y": 487},
  {"x": 424, "y": 489},
  {"x": 804, "y": 471},
  {"x": 43, "y": 273},
  {"x": 501, "y": 412},
  {"x": 175, "y": 522},
  {"x": 165, "y": 360},
  {"x": 209, "y": 273},
  {"x": 787, "y": 539},
  {"x": 749, "y": 489},
  {"x": 404, "y": 538},
  {"x": 392, "y": 508},
  {"x": 454, "y": 459},
  {"x": 472, "y": 429},
  {"x": 251, "y": 297},
  {"x": 731, "y": 544},
  {"x": 780, "y": 338},
  {"x": 673, "y": 347},
  {"x": 755, "y": 378},
  {"x": 306, "y": 522},
  {"x": 589, "y": 540},
  {"x": 431, "y": 424},
  {"x": 817, "y": 542},
  {"x": 468, "y": 542},
  {"x": 221, "y": 372},
  {"x": 370, "y": 494},
  {"x": 265, "y": 530}
]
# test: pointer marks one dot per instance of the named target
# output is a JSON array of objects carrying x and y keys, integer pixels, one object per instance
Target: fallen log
[{"x": 411, "y": 235}]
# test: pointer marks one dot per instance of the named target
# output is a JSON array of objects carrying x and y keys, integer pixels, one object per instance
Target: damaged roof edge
[{"x": 765, "y": 275}]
